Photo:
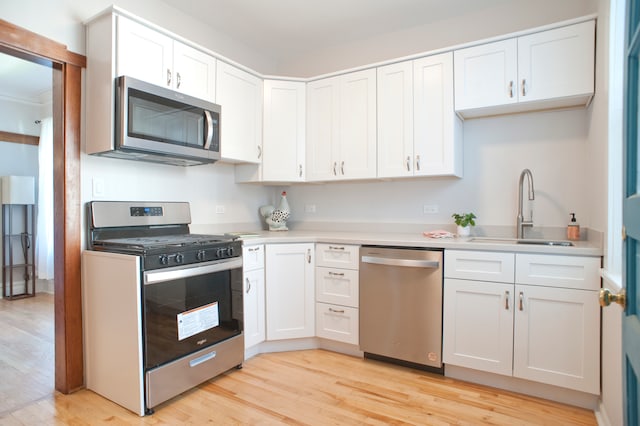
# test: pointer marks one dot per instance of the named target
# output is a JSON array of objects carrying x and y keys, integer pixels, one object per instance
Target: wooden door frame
[{"x": 67, "y": 88}]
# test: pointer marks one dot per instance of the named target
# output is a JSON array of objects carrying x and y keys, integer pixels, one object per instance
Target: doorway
[{"x": 66, "y": 100}]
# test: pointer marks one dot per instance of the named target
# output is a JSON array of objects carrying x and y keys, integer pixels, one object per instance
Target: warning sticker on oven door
[{"x": 196, "y": 320}]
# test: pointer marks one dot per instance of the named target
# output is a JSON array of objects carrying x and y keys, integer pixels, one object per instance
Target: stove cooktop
[{"x": 164, "y": 242}]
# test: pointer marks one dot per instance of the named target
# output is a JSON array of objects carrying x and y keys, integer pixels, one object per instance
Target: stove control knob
[
  {"x": 179, "y": 258},
  {"x": 230, "y": 251},
  {"x": 220, "y": 253},
  {"x": 164, "y": 259},
  {"x": 200, "y": 255}
]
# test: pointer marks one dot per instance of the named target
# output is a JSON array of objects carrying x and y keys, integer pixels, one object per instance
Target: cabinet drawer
[
  {"x": 558, "y": 271},
  {"x": 253, "y": 257},
  {"x": 338, "y": 286},
  {"x": 479, "y": 265},
  {"x": 337, "y": 323},
  {"x": 337, "y": 256}
]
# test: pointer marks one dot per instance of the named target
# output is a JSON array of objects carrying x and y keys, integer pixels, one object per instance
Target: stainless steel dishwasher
[{"x": 401, "y": 306}]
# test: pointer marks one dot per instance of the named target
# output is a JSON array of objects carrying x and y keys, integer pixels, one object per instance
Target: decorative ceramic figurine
[{"x": 277, "y": 218}]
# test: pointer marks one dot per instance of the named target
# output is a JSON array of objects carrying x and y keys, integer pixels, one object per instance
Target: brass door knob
[{"x": 606, "y": 298}]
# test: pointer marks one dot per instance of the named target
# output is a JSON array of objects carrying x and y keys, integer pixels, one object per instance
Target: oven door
[{"x": 189, "y": 308}]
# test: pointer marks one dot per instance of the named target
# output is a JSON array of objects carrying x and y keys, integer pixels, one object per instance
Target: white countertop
[{"x": 417, "y": 239}]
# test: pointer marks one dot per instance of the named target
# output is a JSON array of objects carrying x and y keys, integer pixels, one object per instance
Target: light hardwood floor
[{"x": 290, "y": 388}]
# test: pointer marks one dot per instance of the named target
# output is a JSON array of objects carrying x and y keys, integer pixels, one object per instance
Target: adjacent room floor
[{"x": 294, "y": 388}]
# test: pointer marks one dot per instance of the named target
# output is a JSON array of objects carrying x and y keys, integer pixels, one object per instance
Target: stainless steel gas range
[{"x": 163, "y": 308}]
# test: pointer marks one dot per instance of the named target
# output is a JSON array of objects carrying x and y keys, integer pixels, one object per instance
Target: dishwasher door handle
[{"x": 411, "y": 263}]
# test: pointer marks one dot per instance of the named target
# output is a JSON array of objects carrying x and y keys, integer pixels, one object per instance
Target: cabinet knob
[
  {"x": 342, "y": 168},
  {"x": 606, "y": 298},
  {"x": 300, "y": 171},
  {"x": 417, "y": 162},
  {"x": 506, "y": 300},
  {"x": 408, "y": 163},
  {"x": 259, "y": 151},
  {"x": 524, "y": 87},
  {"x": 335, "y": 164},
  {"x": 248, "y": 285},
  {"x": 168, "y": 77},
  {"x": 521, "y": 303},
  {"x": 511, "y": 89},
  {"x": 178, "y": 80}
]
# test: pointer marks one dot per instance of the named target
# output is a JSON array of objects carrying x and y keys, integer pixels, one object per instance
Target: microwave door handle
[{"x": 209, "y": 132}]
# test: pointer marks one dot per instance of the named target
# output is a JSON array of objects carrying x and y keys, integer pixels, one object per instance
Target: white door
[
  {"x": 478, "y": 325},
  {"x": 254, "y": 303},
  {"x": 283, "y": 143},
  {"x": 143, "y": 53},
  {"x": 395, "y": 120},
  {"x": 556, "y": 339},
  {"x": 240, "y": 96},
  {"x": 437, "y": 128},
  {"x": 194, "y": 72},
  {"x": 556, "y": 63},
  {"x": 486, "y": 75},
  {"x": 290, "y": 297},
  {"x": 357, "y": 158},
  {"x": 322, "y": 129}
]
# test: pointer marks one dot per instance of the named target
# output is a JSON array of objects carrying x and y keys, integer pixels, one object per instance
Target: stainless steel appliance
[
  {"x": 159, "y": 125},
  {"x": 401, "y": 306},
  {"x": 191, "y": 304}
]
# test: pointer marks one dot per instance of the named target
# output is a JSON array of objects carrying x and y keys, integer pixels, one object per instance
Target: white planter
[{"x": 464, "y": 231}]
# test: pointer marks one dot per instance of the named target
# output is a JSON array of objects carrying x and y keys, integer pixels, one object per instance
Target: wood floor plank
[{"x": 313, "y": 387}]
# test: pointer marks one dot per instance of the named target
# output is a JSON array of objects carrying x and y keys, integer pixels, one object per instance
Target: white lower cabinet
[
  {"x": 531, "y": 326},
  {"x": 290, "y": 290},
  {"x": 337, "y": 296},
  {"x": 254, "y": 296}
]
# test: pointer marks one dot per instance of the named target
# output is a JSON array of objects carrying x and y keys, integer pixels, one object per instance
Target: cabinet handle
[
  {"x": 248, "y": 285},
  {"x": 524, "y": 87},
  {"x": 335, "y": 164},
  {"x": 308, "y": 255},
  {"x": 336, "y": 274},
  {"x": 178, "y": 80},
  {"x": 337, "y": 311},
  {"x": 250, "y": 249},
  {"x": 408, "y": 164},
  {"x": 259, "y": 151},
  {"x": 168, "y": 77},
  {"x": 521, "y": 297},
  {"x": 336, "y": 248},
  {"x": 506, "y": 300},
  {"x": 417, "y": 162},
  {"x": 511, "y": 89},
  {"x": 300, "y": 172},
  {"x": 342, "y": 168}
]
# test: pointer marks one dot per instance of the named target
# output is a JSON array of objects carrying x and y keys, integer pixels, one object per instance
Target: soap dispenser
[{"x": 573, "y": 229}]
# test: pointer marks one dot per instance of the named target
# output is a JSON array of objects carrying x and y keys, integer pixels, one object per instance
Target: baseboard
[{"x": 602, "y": 416}]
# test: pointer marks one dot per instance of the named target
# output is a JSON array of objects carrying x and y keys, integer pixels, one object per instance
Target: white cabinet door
[
  {"x": 437, "y": 128},
  {"x": 337, "y": 286},
  {"x": 254, "y": 307},
  {"x": 336, "y": 322},
  {"x": 290, "y": 291},
  {"x": 253, "y": 257},
  {"x": 478, "y": 325},
  {"x": 395, "y": 120},
  {"x": 240, "y": 96},
  {"x": 556, "y": 337},
  {"x": 486, "y": 75},
  {"x": 322, "y": 129},
  {"x": 556, "y": 63},
  {"x": 143, "y": 53},
  {"x": 358, "y": 158},
  {"x": 194, "y": 72},
  {"x": 341, "y": 127},
  {"x": 283, "y": 142}
]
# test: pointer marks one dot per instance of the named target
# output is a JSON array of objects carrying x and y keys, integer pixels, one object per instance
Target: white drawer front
[
  {"x": 479, "y": 265},
  {"x": 558, "y": 271},
  {"x": 338, "y": 323},
  {"x": 338, "y": 286},
  {"x": 252, "y": 257},
  {"x": 338, "y": 256}
]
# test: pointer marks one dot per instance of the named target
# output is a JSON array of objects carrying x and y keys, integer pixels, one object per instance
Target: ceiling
[{"x": 283, "y": 29}]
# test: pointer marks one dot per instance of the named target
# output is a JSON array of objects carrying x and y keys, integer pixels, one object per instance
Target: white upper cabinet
[
  {"x": 239, "y": 93},
  {"x": 151, "y": 56},
  {"x": 548, "y": 69},
  {"x": 284, "y": 131},
  {"x": 341, "y": 127}
]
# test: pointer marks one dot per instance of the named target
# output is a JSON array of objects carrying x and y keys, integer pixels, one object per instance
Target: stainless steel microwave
[{"x": 160, "y": 125}]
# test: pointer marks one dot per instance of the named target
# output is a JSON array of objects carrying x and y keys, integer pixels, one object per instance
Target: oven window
[{"x": 185, "y": 315}]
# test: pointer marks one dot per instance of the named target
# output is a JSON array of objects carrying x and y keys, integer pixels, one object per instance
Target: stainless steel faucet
[{"x": 521, "y": 223}]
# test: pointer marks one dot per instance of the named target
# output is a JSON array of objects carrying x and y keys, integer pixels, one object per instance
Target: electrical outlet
[
  {"x": 430, "y": 209},
  {"x": 220, "y": 209},
  {"x": 309, "y": 208},
  {"x": 98, "y": 187}
]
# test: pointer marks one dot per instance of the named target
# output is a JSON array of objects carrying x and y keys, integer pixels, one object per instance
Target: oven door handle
[{"x": 154, "y": 277}]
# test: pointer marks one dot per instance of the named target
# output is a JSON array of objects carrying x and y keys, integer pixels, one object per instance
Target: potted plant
[{"x": 464, "y": 221}]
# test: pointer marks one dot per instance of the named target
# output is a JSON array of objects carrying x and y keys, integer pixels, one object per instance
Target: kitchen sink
[{"x": 498, "y": 240}]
